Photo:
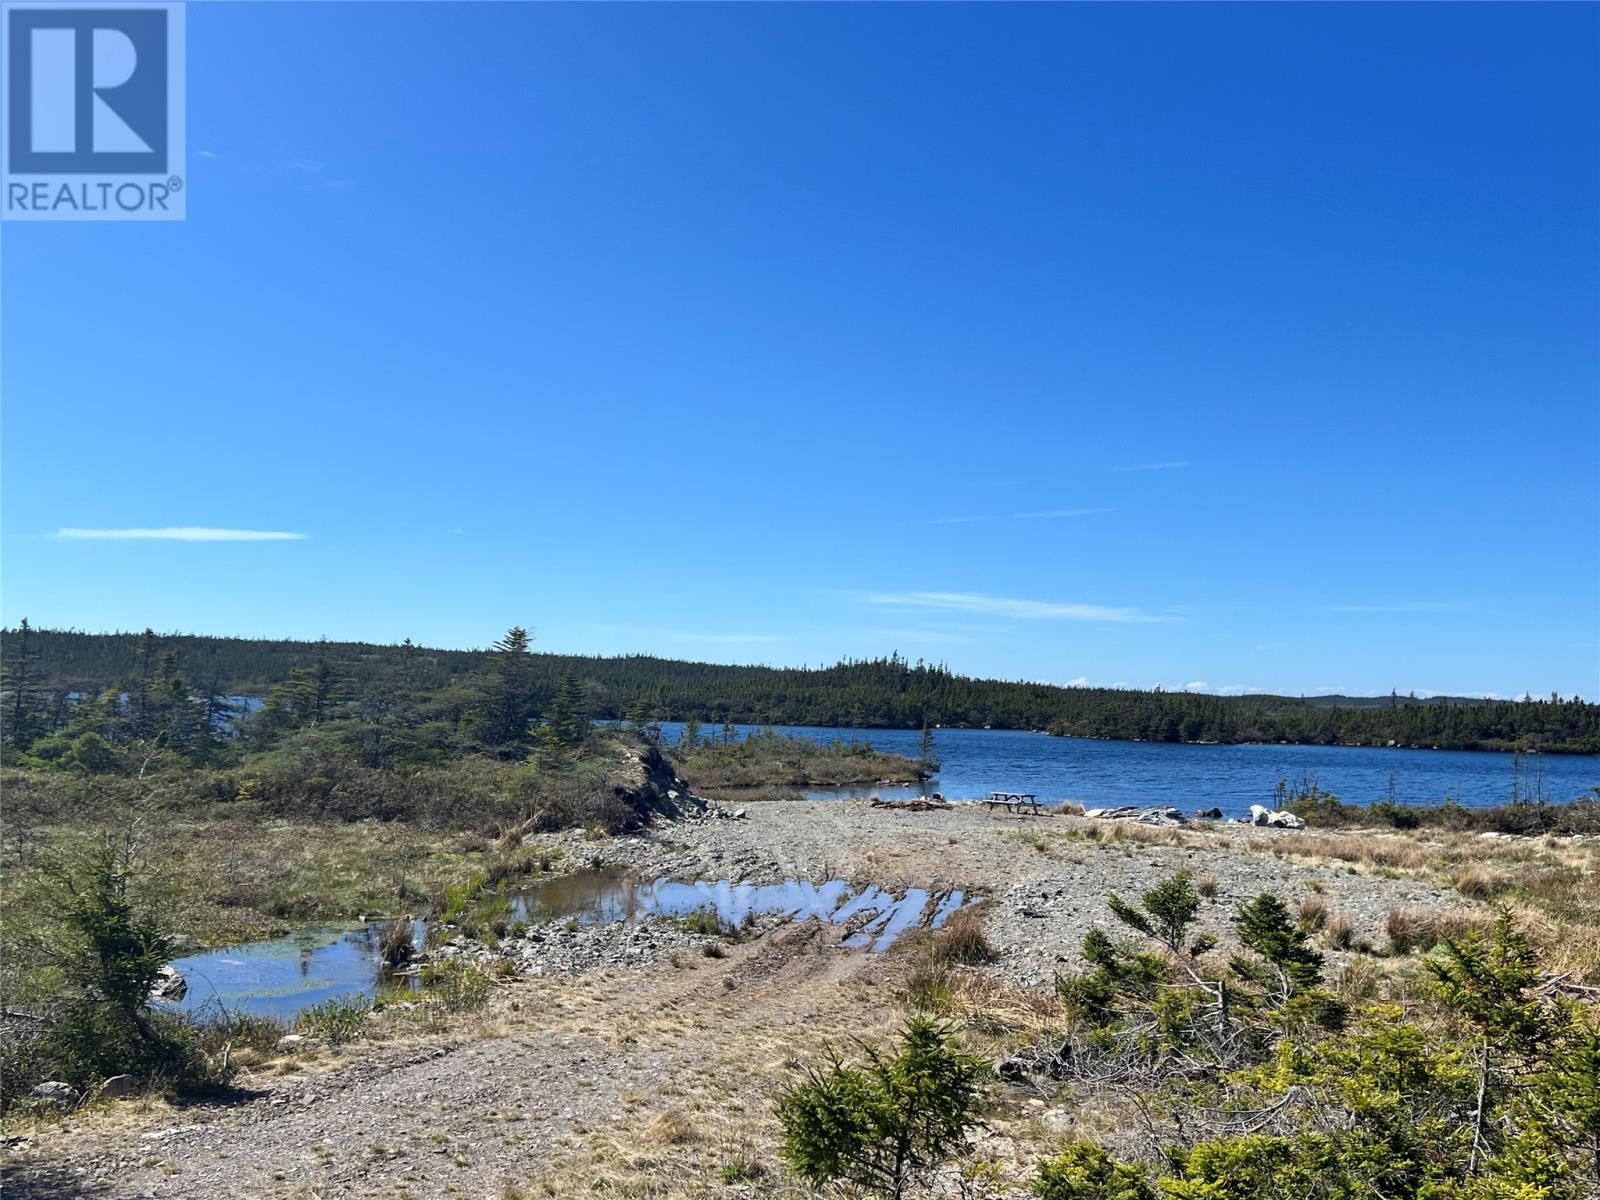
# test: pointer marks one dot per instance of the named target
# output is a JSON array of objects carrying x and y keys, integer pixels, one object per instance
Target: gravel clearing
[
  {"x": 610, "y": 1034},
  {"x": 1046, "y": 877}
]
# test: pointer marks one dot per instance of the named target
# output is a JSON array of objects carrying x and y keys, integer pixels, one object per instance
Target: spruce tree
[
  {"x": 21, "y": 688},
  {"x": 508, "y": 695}
]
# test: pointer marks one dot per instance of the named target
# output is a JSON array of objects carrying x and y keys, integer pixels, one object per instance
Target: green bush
[
  {"x": 456, "y": 985},
  {"x": 1085, "y": 1172},
  {"x": 337, "y": 1020},
  {"x": 886, "y": 1125},
  {"x": 1484, "y": 1086},
  {"x": 108, "y": 951}
]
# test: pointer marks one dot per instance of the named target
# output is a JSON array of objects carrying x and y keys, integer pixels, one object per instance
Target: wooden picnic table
[{"x": 1014, "y": 801}]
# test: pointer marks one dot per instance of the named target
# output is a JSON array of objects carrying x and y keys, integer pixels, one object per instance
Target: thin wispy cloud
[
  {"x": 1006, "y": 606},
  {"x": 182, "y": 533},
  {"x": 205, "y": 154},
  {"x": 312, "y": 172},
  {"x": 1056, "y": 514},
  {"x": 1153, "y": 466}
]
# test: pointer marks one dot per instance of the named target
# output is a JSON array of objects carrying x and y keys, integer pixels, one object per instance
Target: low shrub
[
  {"x": 888, "y": 1124},
  {"x": 456, "y": 985},
  {"x": 706, "y": 923},
  {"x": 1086, "y": 1172},
  {"x": 337, "y": 1020}
]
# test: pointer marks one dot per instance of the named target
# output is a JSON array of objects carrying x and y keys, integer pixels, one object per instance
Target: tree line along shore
[{"x": 47, "y": 670}]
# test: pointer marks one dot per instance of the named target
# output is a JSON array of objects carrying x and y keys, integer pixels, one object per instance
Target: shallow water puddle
[
  {"x": 597, "y": 896},
  {"x": 281, "y": 977}
]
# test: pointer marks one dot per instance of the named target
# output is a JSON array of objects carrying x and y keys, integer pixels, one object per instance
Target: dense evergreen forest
[{"x": 53, "y": 666}]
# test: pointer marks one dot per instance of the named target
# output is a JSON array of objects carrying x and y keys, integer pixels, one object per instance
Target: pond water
[
  {"x": 282, "y": 976},
  {"x": 974, "y": 762},
  {"x": 591, "y": 897}
]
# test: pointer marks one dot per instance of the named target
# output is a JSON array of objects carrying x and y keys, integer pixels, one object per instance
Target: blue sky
[{"x": 1233, "y": 346}]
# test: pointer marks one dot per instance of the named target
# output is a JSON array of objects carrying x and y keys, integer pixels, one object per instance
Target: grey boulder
[
  {"x": 119, "y": 1086},
  {"x": 1274, "y": 818},
  {"x": 55, "y": 1092},
  {"x": 169, "y": 985}
]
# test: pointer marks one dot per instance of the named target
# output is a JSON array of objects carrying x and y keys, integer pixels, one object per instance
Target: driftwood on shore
[{"x": 920, "y": 804}]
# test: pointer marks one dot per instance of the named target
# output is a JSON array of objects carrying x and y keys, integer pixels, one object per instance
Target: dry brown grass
[
  {"x": 1144, "y": 835},
  {"x": 1479, "y": 883},
  {"x": 1566, "y": 948},
  {"x": 1360, "y": 980},
  {"x": 1314, "y": 912},
  {"x": 1001, "y": 1016},
  {"x": 1551, "y": 884},
  {"x": 935, "y": 957},
  {"x": 1374, "y": 850},
  {"x": 962, "y": 939},
  {"x": 1411, "y": 929},
  {"x": 1338, "y": 931},
  {"x": 672, "y": 1128},
  {"x": 1206, "y": 884}
]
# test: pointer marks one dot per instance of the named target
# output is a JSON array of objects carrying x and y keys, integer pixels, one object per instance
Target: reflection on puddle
[
  {"x": 281, "y": 977},
  {"x": 592, "y": 897}
]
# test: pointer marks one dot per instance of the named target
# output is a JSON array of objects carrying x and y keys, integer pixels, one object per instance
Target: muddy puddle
[
  {"x": 598, "y": 896},
  {"x": 282, "y": 977}
]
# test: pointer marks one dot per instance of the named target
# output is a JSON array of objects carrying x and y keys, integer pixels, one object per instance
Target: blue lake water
[{"x": 974, "y": 762}]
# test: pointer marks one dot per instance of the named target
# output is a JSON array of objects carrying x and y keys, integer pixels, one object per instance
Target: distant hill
[
  {"x": 1336, "y": 701},
  {"x": 888, "y": 692}
]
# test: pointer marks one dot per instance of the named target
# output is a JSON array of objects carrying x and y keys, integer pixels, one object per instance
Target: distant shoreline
[{"x": 1564, "y": 751}]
